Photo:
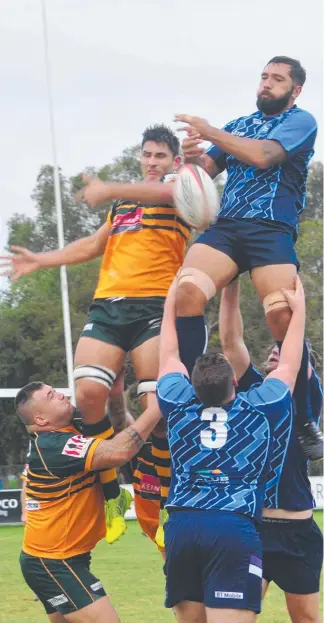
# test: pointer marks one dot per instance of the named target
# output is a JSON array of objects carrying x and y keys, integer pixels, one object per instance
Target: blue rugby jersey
[
  {"x": 220, "y": 455},
  {"x": 279, "y": 192},
  {"x": 287, "y": 484}
]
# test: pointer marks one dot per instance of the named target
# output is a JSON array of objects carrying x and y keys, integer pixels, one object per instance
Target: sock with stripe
[
  {"x": 162, "y": 464},
  {"x": 108, "y": 477},
  {"x": 192, "y": 338}
]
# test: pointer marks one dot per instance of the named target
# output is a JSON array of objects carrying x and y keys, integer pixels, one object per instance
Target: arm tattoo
[{"x": 136, "y": 437}]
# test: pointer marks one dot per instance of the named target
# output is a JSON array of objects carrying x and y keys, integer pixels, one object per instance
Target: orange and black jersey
[
  {"x": 144, "y": 251},
  {"x": 64, "y": 499},
  {"x": 146, "y": 481}
]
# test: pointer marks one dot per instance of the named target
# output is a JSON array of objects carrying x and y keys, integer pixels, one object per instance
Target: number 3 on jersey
[{"x": 215, "y": 436}]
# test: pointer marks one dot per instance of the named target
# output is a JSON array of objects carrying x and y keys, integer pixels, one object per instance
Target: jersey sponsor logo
[
  {"x": 217, "y": 475},
  {"x": 237, "y": 133},
  {"x": 32, "y": 506},
  {"x": 88, "y": 327},
  {"x": 128, "y": 222},
  {"x": 228, "y": 595},
  {"x": 96, "y": 586},
  {"x": 257, "y": 121},
  {"x": 58, "y": 600},
  {"x": 77, "y": 446},
  {"x": 150, "y": 484}
]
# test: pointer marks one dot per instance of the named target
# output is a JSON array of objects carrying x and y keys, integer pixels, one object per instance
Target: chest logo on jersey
[
  {"x": 237, "y": 133},
  {"x": 132, "y": 221},
  {"x": 77, "y": 446}
]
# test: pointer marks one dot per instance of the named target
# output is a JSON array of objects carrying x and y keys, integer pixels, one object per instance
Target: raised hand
[
  {"x": 191, "y": 146},
  {"x": 21, "y": 263},
  {"x": 197, "y": 125},
  {"x": 95, "y": 192},
  {"x": 296, "y": 298}
]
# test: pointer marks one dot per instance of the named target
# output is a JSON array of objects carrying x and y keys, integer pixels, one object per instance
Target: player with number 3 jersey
[{"x": 221, "y": 446}]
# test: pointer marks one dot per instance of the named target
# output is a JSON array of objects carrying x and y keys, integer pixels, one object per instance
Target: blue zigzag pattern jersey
[
  {"x": 277, "y": 193},
  {"x": 220, "y": 455},
  {"x": 287, "y": 485}
]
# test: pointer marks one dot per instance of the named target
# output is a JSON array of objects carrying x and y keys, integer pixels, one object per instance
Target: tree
[{"x": 314, "y": 206}]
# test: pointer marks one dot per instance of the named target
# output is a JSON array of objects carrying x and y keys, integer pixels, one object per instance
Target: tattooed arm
[{"x": 126, "y": 444}]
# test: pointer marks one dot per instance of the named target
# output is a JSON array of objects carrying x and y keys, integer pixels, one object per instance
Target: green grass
[{"x": 131, "y": 571}]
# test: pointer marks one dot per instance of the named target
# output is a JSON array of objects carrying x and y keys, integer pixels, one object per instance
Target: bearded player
[{"x": 266, "y": 155}]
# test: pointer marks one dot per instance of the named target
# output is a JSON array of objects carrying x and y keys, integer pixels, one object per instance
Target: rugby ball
[{"x": 196, "y": 198}]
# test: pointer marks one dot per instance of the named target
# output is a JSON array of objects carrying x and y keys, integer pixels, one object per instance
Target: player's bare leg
[
  {"x": 269, "y": 280},
  {"x": 304, "y": 608},
  {"x": 100, "y": 611},
  {"x": 205, "y": 271},
  {"x": 190, "y": 612},
  {"x": 145, "y": 359},
  {"x": 96, "y": 367},
  {"x": 225, "y": 615}
]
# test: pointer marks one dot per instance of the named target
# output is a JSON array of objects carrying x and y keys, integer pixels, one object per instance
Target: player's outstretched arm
[
  {"x": 292, "y": 346},
  {"x": 126, "y": 444},
  {"x": 257, "y": 153},
  {"x": 97, "y": 192},
  {"x": 24, "y": 261},
  {"x": 231, "y": 329},
  {"x": 169, "y": 346}
]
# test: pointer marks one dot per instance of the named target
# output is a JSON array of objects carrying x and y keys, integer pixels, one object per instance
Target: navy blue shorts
[
  {"x": 213, "y": 557},
  {"x": 292, "y": 554},
  {"x": 252, "y": 242}
]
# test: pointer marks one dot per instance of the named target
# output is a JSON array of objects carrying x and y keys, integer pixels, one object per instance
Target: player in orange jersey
[
  {"x": 65, "y": 504},
  {"x": 143, "y": 245}
]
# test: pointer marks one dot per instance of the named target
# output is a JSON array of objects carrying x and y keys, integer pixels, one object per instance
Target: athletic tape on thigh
[
  {"x": 275, "y": 300},
  {"x": 199, "y": 279},
  {"x": 145, "y": 386},
  {"x": 98, "y": 374}
]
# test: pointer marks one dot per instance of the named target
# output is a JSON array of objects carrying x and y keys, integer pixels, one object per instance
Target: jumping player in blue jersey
[
  {"x": 292, "y": 543},
  {"x": 266, "y": 155},
  {"x": 221, "y": 446}
]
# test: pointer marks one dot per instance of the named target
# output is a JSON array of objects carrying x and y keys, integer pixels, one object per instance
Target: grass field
[{"x": 130, "y": 570}]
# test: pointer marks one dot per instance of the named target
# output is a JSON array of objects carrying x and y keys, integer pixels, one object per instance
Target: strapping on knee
[
  {"x": 145, "y": 386},
  {"x": 275, "y": 300},
  {"x": 200, "y": 279},
  {"x": 98, "y": 374}
]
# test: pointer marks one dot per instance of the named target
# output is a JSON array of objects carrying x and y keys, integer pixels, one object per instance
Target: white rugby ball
[{"x": 196, "y": 198}]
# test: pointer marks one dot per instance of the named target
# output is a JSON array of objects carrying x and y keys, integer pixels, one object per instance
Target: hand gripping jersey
[
  {"x": 220, "y": 455},
  {"x": 279, "y": 192},
  {"x": 64, "y": 499},
  {"x": 144, "y": 251},
  {"x": 287, "y": 484}
]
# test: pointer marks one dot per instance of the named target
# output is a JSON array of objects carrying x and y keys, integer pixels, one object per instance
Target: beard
[{"x": 271, "y": 105}]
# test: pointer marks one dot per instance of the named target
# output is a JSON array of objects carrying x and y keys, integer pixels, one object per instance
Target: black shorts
[
  {"x": 292, "y": 554},
  {"x": 213, "y": 557},
  {"x": 61, "y": 585},
  {"x": 252, "y": 242},
  {"x": 125, "y": 322}
]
